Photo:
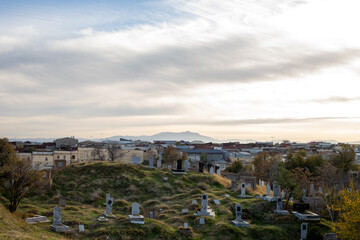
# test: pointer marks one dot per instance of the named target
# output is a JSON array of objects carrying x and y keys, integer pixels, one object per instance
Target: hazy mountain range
[{"x": 171, "y": 136}]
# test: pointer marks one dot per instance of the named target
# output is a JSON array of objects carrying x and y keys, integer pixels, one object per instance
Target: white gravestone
[
  {"x": 185, "y": 210},
  {"x": 218, "y": 172},
  {"x": 211, "y": 170},
  {"x": 216, "y": 201},
  {"x": 204, "y": 208},
  {"x": 238, "y": 222},
  {"x": 227, "y": 195},
  {"x": 304, "y": 229},
  {"x": 135, "y": 216},
  {"x": 81, "y": 228},
  {"x": 202, "y": 221},
  {"x": 204, "y": 201},
  {"x": 186, "y": 226},
  {"x": 194, "y": 202}
]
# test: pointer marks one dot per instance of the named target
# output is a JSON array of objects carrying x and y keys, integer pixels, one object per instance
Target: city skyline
[{"x": 232, "y": 70}]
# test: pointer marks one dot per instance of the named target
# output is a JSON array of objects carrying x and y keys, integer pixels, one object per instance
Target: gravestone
[
  {"x": 186, "y": 165},
  {"x": 160, "y": 156},
  {"x": 218, "y": 171},
  {"x": 227, "y": 195},
  {"x": 81, "y": 228},
  {"x": 107, "y": 198},
  {"x": 279, "y": 207},
  {"x": 268, "y": 190},
  {"x": 36, "y": 219},
  {"x": 312, "y": 190},
  {"x": 259, "y": 182},
  {"x": 204, "y": 209},
  {"x": 239, "y": 222},
  {"x": 179, "y": 168},
  {"x": 184, "y": 210},
  {"x": 243, "y": 188},
  {"x": 275, "y": 191},
  {"x": 194, "y": 202},
  {"x": 135, "y": 216},
  {"x": 158, "y": 163},
  {"x": 186, "y": 226},
  {"x": 151, "y": 214},
  {"x": 57, "y": 226},
  {"x": 216, "y": 201},
  {"x": 304, "y": 229},
  {"x": 211, "y": 170},
  {"x": 109, "y": 204},
  {"x": 216, "y": 168},
  {"x": 166, "y": 178},
  {"x": 151, "y": 161},
  {"x": 202, "y": 221}
]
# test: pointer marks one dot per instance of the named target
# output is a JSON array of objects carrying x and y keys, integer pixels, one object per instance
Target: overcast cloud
[{"x": 202, "y": 66}]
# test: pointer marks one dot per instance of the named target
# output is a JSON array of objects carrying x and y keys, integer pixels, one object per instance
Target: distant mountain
[{"x": 170, "y": 136}]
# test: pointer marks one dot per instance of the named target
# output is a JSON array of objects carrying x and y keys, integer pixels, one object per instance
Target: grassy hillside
[{"x": 84, "y": 187}]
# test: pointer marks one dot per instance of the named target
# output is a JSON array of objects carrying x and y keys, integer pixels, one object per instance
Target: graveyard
[{"x": 139, "y": 202}]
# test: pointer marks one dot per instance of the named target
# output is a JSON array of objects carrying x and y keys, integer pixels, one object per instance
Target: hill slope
[{"x": 84, "y": 186}]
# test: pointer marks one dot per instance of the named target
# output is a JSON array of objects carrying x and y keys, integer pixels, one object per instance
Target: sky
[{"x": 234, "y": 69}]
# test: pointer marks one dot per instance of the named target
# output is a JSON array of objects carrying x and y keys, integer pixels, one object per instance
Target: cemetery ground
[{"x": 84, "y": 186}]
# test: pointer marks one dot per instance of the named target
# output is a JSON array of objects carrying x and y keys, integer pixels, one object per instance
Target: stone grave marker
[
  {"x": 165, "y": 178},
  {"x": 304, "y": 229},
  {"x": 204, "y": 201},
  {"x": 330, "y": 236},
  {"x": 275, "y": 190},
  {"x": 202, "y": 221},
  {"x": 151, "y": 161},
  {"x": 109, "y": 204},
  {"x": 243, "y": 188},
  {"x": 81, "y": 228},
  {"x": 238, "y": 222},
  {"x": 216, "y": 201},
  {"x": 184, "y": 210},
  {"x": 194, "y": 202},
  {"x": 135, "y": 209},
  {"x": 158, "y": 163},
  {"x": 186, "y": 226},
  {"x": 57, "y": 226},
  {"x": 211, "y": 171},
  {"x": 227, "y": 195},
  {"x": 62, "y": 202},
  {"x": 268, "y": 190},
  {"x": 135, "y": 216}
]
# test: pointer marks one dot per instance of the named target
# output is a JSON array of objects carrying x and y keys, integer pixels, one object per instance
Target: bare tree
[
  {"x": 99, "y": 153},
  {"x": 113, "y": 151}
]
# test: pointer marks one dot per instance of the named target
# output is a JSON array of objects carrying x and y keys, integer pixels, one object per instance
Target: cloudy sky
[{"x": 233, "y": 69}]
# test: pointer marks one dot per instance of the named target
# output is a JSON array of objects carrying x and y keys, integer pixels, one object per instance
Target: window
[
  {"x": 64, "y": 157},
  {"x": 58, "y": 156},
  {"x": 46, "y": 159},
  {"x": 73, "y": 157},
  {"x": 59, "y": 164}
]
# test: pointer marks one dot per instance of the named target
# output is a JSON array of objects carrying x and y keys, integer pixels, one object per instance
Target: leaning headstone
[
  {"x": 81, "y": 228},
  {"x": 204, "y": 209},
  {"x": 57, "y": 226},
  {"x": 227, "y": 195},
  {"x": 202, "y": 221},
  {"x": 238, "y": 222},
  {"x": 304, "y": 229},
  {"x": 109, "y": 204},
  {"x": 211, "y": 170},
  {"x": 216, "y": 201},
  {"x": 135, "y": 216},
  {"x": 194, "y": 202}
]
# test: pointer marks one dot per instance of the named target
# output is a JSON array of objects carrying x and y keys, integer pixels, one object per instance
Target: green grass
[{"x": 84, "y": 187}]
